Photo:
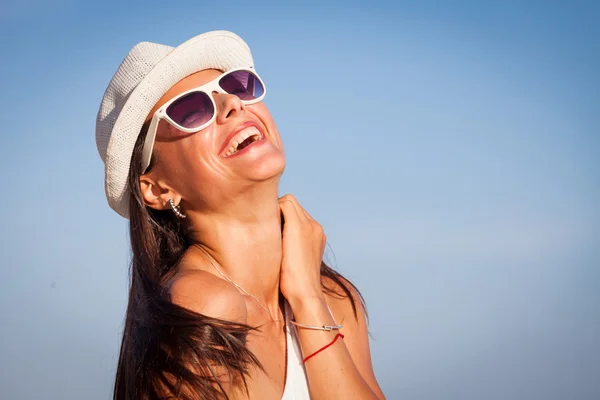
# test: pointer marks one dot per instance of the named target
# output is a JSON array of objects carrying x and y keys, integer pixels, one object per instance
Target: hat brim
[{"x": 220, "y": 50}]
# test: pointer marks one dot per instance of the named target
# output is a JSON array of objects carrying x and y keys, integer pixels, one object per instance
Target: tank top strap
[{"x": 296, "y": 384}]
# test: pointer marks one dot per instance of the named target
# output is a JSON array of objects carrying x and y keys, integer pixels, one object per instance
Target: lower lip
[{"x": 242, "y": 151}]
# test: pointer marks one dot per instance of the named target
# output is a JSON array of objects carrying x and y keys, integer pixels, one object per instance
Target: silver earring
[{"x": 176, "y": 209}]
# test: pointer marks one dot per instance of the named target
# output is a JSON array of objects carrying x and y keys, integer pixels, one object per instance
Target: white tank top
[{"x": 296, "y": 385}]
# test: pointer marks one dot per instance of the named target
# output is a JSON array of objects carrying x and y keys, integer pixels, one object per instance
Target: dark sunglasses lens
[
  {"x": 191, "y": 110},
  {"x": 243, "y": 84}
]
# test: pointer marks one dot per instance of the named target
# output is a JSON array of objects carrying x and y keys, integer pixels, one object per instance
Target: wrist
[{"x": 308, "y": 304}]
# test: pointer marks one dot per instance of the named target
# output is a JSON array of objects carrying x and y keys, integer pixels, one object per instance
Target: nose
[{"x": 228, "y": 106}]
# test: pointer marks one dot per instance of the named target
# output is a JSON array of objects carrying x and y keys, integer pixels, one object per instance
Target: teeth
[{"x": 240, "y": 137}]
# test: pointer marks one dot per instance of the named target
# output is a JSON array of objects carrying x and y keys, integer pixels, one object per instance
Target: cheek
[
  {"x": 263, "y": 113},
  {"x": 186, "y": 160}
]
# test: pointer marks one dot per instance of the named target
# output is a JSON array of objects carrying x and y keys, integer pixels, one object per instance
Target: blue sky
[{"x": 450, "y": 150}]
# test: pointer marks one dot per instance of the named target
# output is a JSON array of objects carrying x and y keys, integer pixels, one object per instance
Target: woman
[{"x": 229, "y": 297}]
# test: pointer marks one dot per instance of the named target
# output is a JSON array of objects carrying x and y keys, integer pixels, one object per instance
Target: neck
[{"x": 245, "y": 242}]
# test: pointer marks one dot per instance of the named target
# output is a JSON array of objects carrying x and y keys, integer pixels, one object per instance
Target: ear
[{"x": 156, "y": 194}]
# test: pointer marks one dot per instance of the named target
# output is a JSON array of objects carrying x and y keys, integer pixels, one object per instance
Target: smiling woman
[{"x": 229, "y": 295}]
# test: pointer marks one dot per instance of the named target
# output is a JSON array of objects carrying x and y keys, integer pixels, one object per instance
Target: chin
[
  {"x": 267, "y": 168},
  {"x": 260, "y": 161}
]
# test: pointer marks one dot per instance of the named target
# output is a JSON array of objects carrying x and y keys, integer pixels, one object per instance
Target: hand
[{"x": 303, "y": 246}]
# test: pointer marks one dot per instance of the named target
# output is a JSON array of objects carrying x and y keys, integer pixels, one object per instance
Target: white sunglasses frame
[{"x": 208, "y": 88}]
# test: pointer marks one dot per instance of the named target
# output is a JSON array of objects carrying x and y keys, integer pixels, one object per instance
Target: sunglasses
[{"x": 195, "y": 109}]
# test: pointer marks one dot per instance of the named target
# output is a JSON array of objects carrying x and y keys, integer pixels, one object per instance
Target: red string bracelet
[{"x": 324, "y": 347}]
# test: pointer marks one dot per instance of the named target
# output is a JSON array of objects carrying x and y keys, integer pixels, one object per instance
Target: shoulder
[{"x": 209, "y": 295}]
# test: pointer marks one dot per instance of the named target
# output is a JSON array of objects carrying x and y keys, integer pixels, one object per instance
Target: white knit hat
[{"x": 144, "y": 76}]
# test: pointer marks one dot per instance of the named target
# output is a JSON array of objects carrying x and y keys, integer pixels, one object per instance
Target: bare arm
[{"x": 343, "y": 370}]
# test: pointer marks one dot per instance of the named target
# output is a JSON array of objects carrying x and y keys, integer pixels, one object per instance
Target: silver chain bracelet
[{"x": 318, "y": 328}]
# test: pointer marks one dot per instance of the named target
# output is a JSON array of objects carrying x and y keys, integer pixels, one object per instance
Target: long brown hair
[{"x": 168, "y": 351}]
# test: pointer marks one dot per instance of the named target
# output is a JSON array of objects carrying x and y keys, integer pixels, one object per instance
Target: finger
[
  {"x": 304, "y": 212},
  {"x": 288, "y": 198},
  {"x": 301, "y": 211},
  {"x": 289, "y": 211},
  {"x": 307, "y": 214}
]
